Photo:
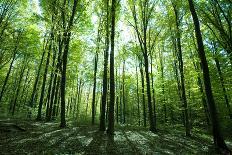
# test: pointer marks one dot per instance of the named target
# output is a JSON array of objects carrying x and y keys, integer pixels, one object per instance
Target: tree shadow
[{"x": 97, "y": 145}]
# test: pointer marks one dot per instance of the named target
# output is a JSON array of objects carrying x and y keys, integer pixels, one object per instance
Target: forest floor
[{"x": 30, "y": 137}]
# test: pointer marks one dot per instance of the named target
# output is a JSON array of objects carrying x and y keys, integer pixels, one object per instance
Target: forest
[{"x": 116, "y": 77}]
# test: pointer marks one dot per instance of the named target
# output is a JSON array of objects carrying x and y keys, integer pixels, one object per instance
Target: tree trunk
[
  {"x": 56, "y": 98},
  {"x": 200, "y": 85},
  {"x": 51, "y": 89},
  {"x": 66, "y": 38},
  {"x": 106, "y": 55},
  {"x": 143, "y": 93},
  {"x": 137, "y": 92},
  {"x": 123, "y": 92},
  {"x": 8, "y": 74},
  {"x": 18, "y": 89},
  {"x": 32, "y": 99},
  {"x": 218, "y": 138},
  {"x": 110, "y": 130},
  {"x": 151, "y": 119},
  {"x": 94, "y": 87},
  {"x": 39, "y": 117},
  {"x": 223, "y": 86}
]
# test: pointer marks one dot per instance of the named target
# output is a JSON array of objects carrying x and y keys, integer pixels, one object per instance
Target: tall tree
[
  {"x": 66, "y": 38},
  {"x": 218, "y": 138},
  {"x": 106, "y": 55},
  {"x": 181, "y": 68},
  {"x": 146, "y": 8},
  {"x": 112, "y": 82}
]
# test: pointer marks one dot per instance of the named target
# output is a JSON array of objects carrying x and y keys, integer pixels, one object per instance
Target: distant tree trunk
[
  {"x": 117, "y": 98},
  {"x": 54, "y": 87},
  {"x": 26, "y": 82},
  {"x": 106, "y": 55},
  {"x": 110, "y": 130},
  {"x": 162, "y": 79},
  {"x": 32, "y": 99},
  {"x": 181, "y": 68},
  {"x": 56, "y": 98},
  {"x": 39, "y": 117},
  {"x": 49, "y": 94},
  {"x": 107, "y": 99},
  {"x": 200, "y": 85},
  {"x": 94, "y": 87},
  {"x": 176, "y": 74},
  {"x": 18, "y": 88},
  {"x": 51, "y": 89},
  {"x": 218, "y": 138},
  {"x": 75, "y": 99},
  {"x": 143, "y": 93},
  {"x": 68, "y": 105},
  {"x": 87, "y": 102},
  {"x": 137, "y": 92},
  {"x": 223, "y": 86},
  {"x": 117, "y": 109},
  {"x": 8, "y": 73},
  {"x": 153, "y": 90},
  {"x": 79, "y": 83},
  {"x": 123, "y": 92}
]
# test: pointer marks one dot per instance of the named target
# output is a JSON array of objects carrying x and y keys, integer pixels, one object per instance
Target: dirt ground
[{"x": 30, "y": 137}]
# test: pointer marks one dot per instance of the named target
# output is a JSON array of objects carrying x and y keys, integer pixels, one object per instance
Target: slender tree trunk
[
  {"x": 106, "y": 55},
  {"x": 151, "y": 119},
  {"x": 137, "y": 92},
  {"x": 112, "y": 82},
  {"x": 94, "y": 88},
  {"x": 8, "y": 74},
  {"x": 52, "y": 87},
  {"x": 87, "y": 102},
  {"x": 223, "y": 86},
  {"x": 56, "y": 98},
  {"x": 143, "y": 93},
  {"x": 18, "y": 89},
  {"x": 181, "y": 68},
  {"x": 123, "y": 92},
  {"x": 37, "y": 78},
  {"x": 203, "y": 99},
  {"x": 117, "y": 98},
  {"x": 66, "y": 39},
  {"x": 26, "y": 82},
  {"x": 153, "y": 90},
  {"x": 49, "y": 95},
  {"x": 39, "y": 117},
  {"x": 218, "y": 138}
]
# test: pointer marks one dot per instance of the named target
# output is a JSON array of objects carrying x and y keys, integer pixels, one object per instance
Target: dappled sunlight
[{"x": 86, "y": 140}]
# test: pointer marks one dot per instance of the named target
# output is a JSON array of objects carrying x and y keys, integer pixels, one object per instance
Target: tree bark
[
  {"x": 110, "y": 130},
  {"x": 94, "y": 87},
  {"x": 66, "y": 38},
  {"x": 143, "y": 94},
  {"x": 106, "y": 55},
  {"x": 39, "y": 117},
  {"x": 137, "y": 92}
]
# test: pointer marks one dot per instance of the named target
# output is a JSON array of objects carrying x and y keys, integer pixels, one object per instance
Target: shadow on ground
[{"x": 48, "y": 138}]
